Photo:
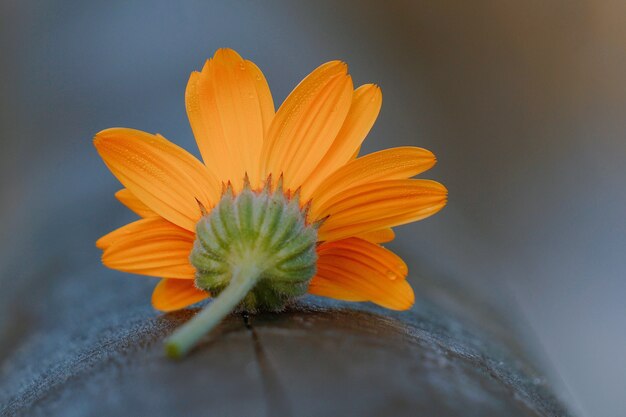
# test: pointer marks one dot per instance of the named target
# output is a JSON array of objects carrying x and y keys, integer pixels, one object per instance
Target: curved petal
[
  {"x": 163, "y": 176},
  {"x": 307, "y": 123},
  {"x": 230, "y": 108},
  {"x": 366, "y": 103},
  {"x": 356, "y": 270},
  {"x": 379, "y": 236},
  {"x": 155, "y": 247},
  {"x": 389, "y": 164},
  {"x": 324, "y": 284},
  {"x": 375, "y": 206},
  {"x": 385, "y": 262},
  {"x": 174, "y": 294},
  {"x": 126, "y": 230},
  {"x": 129, "y": 200}
]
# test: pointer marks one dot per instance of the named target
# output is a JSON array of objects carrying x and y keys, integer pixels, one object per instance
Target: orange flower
[{"x": 311, "y": 143}]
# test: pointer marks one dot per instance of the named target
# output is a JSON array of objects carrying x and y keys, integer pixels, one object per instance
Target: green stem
[{"x": 185, "y": 337}]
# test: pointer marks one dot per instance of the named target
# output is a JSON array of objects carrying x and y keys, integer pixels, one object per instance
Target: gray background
[{"x": 524, "y": 103}]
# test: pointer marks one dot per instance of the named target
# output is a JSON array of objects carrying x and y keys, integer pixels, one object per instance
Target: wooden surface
[{"x": 319, "y": 358}]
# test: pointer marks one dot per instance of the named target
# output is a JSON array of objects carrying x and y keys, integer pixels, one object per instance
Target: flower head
[{"x": 281, "y": 205}]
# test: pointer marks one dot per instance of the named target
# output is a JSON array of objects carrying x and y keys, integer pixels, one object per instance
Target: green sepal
[{"x": 265, "y": 229}]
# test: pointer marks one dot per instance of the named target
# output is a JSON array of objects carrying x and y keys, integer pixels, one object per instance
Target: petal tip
[
  {"x": 226, "y": 53},
  {"x": 372, "y": 88},
  {"x": 371, "y": 93},
  {"x": 227, "y": 56},
  {"x": 206, "y": 66},
  {"x": 100, "y": 137},
  {"x": 107, "y": 135},
  {"x": 406, "y": 302},
  {"x": 101, "y": 244},
  {"x": 336, "y": 66}
]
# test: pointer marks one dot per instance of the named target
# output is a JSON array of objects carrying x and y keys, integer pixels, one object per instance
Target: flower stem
[{"x": 185, "y": 337}]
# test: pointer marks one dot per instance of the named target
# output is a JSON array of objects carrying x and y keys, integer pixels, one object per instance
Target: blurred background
[{"x": 523, "y": 102}]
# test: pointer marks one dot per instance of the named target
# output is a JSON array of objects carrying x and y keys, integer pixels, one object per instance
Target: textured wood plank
[{"x": 317, "y": 358}]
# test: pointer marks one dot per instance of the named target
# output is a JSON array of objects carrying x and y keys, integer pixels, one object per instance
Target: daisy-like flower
[{"x": 280, "y": 207}]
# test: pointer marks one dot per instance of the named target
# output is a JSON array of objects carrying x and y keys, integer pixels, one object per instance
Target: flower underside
[
  {"x": 265, "y": 231},
  {"x": 259, "y": 244}
]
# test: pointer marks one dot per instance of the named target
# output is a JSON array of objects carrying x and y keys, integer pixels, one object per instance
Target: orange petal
[
  {"x": 324, "y": 285},
  {"x": 129, "y": 229},
  {"x": 355, "y": 270},
  {"x": 174, "y": 294},
  {"x": 375, "y": 206},
  {"x": 307, "y": 123},
  {"x": 379, "y": 236},
  {"x": 389, "y": 164},
  {"x": 355, "y": 155},
  {"x": 384, "y": 261},
  {"x": 366, "y": 102},
  {"x": 163, "y": 176},
  {"x": 230, "y": 108},
  {"x": 129, "y": 200},
  {"x": 155, "y": 247}
]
